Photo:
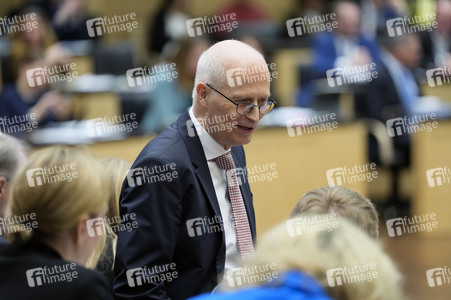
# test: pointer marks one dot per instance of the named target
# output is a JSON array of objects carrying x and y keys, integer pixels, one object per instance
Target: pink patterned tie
[{"x": 243, "y": 231}]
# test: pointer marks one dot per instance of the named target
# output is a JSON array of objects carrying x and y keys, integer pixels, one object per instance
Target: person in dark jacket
[{"x": 57, "y": 200}]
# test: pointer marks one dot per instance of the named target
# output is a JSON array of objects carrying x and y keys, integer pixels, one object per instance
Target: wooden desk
[
  {"x": 300, "y": 161},
  {"x": 432, "y": 150}
]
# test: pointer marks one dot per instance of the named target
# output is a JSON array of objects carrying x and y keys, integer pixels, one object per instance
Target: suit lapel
[{"x": 199, "y": 161}]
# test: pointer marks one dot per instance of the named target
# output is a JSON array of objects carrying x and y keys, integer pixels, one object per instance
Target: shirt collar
[{"x": 211, "y": 148}]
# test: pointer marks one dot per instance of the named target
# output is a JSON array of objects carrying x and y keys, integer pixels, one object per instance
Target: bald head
[
  {"x": 228, "y": 74},
  {"x": 226, "y": 55}
]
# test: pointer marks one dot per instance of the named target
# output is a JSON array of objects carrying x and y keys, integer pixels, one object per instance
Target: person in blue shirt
[{"x": 314, "y": 256}]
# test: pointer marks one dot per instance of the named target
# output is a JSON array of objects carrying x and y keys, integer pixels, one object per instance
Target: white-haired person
[
  {"x": 56, "y": 198},
  {"x": 299, "y": 259},
  {"x": 13, "y": 153},
  {"x": 183, "y": 184}
]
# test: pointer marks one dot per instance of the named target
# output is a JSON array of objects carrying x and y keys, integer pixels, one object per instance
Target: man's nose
[{"x": 254, "y": 115}]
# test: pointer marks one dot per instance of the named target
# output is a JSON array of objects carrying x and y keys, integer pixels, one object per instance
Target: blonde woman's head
[
  {"x": 64, "y": 188},
  {"x": 317, "y": 253},
  {"x": 116, "y": 170},
  {"x": 343, "y": 202}
]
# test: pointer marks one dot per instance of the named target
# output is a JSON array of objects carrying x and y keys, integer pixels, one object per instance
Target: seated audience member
[
  {"x": 394, "y": 93},
  {"x": 102, "y": 257},
  {"x": 168, "y": 25},
  {"x": 13, "y": 153},
  {"x": 54, "y": 198},
  {"x": 343, "y": 263},
  {"x": 171, "y": 97},
  {"x": 436, "y": 43},
  {"x": 69, "y": 20},
  {"x": 344, "y": 203},
  {"x": 375, "y": 14},
  {"x": 344, "y": 46},
  {"x": 25, "y": 93},
  {"x": 20, "y": 101}
]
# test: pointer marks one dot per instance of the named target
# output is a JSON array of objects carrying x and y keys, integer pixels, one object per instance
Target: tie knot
[{"x": 225, "y": 161}]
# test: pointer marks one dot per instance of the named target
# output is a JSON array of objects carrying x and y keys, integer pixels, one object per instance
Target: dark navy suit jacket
[{"x": 165, "y": 211}]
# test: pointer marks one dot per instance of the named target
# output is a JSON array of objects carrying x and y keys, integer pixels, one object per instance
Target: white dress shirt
[{"x": 212, "y": 150}]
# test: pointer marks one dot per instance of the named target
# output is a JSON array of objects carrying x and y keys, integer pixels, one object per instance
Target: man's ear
[{"x": 202, "y": 93}]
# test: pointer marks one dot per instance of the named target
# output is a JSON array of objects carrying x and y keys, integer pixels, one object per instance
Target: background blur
[{"x": 100, "y": 67}]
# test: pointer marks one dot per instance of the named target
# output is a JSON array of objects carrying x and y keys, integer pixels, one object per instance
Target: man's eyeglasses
[{"x": 244, "y": 107}]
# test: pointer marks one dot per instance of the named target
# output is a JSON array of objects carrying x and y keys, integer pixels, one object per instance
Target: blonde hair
[
  {"x": 58, "y": 206},
  {"x": 342, "y": 201},
  {"x": 317, "y": 252},
  {"x": 116, "y": 170}
]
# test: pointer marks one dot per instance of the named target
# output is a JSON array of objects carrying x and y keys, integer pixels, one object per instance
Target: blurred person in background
[
  {"x": 345, "y": 46},
  {"x": 69, "y": 20},
  {"x": 169, "y": 24},
  {"x": 45, "y": 260},
  {"x": 306, "y": 266},
  {"x": 394, "y": 93},
  {"x": 247, "y": 11},
  {"x": 29, "y": 50},
  {"x": 102, "y": 257},
  {"x": 375, "y": 14},
  {"x": 342, "y": 202},
  {"x": 13, "y": 154},
  {"x": 436, "y": 44},
  {"x": 169, "y": 98}
]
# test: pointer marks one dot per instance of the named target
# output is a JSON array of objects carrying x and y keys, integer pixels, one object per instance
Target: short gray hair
[
  {"x": 10, "y": 150},
  {"x": 210, "y": 70}
]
